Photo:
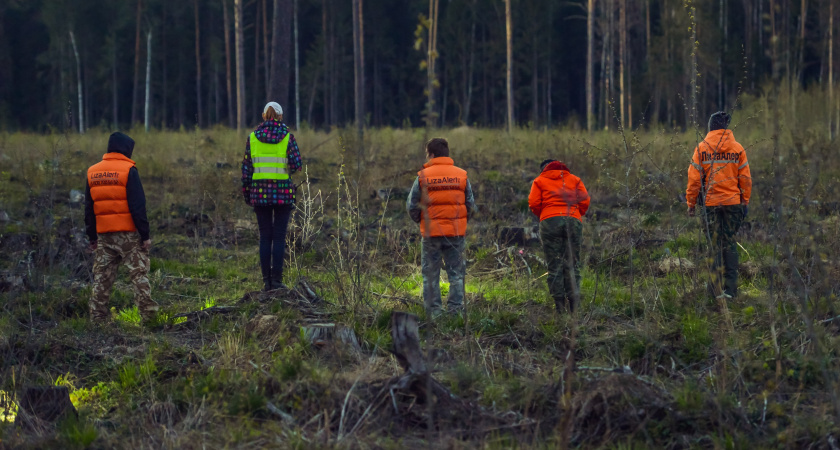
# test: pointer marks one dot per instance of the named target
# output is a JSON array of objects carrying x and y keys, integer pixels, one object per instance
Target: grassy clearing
[{"x": 771, "y": 381}]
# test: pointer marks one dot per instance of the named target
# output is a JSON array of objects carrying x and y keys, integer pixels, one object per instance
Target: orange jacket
[
  {"x": 443, "y": 198},
  {"x": 556, "y": 192},
  {"x": 720, "y": 170},
  {"x": 107, "y": 180}
]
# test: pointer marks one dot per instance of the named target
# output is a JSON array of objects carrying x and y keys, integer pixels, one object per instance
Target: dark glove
[{"x": 746, "y": 210}]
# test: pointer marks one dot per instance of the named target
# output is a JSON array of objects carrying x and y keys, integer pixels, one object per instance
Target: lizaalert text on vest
[{"x": 270, "y": 160}]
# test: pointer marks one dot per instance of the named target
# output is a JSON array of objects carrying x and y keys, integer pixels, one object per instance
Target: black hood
[{"x": 121, "y": 143}]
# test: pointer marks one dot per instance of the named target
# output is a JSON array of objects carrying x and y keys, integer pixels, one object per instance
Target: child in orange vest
[
  {"x": 441, "y": 201},
  {"x": 117, "y": 228}
]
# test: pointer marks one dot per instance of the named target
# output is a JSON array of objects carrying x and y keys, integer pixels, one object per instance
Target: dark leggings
[{"x": 273, "y": 222}]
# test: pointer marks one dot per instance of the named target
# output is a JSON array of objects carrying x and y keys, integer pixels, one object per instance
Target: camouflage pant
[
  {"x": 561, "y": 238},
  {"x": 724, "y": 222},
  {"x": 438, "y": 250},
  {"x": 111, "y": 250}
]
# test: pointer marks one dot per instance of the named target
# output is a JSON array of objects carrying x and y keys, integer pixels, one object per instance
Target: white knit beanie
[{"x": 274, "y": 105}]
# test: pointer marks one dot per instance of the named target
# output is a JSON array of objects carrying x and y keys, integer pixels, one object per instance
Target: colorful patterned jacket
[{"x": 270, "y": 192}]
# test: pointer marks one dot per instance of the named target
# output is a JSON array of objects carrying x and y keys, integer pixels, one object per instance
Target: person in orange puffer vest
[
  {"x": 441, "y": 201},
  {"x": 560, "y": 200},
  {"x": 117, "y": 228},
  {"x": 719, "y": 178}
]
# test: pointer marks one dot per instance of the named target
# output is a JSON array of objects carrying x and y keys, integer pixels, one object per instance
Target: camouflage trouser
[
  {"x": 724, "y": 222},
  {"x": 561, "y": 237},
  {"x": 111, "y": 250},
  {"x": 448, "y": 250}
]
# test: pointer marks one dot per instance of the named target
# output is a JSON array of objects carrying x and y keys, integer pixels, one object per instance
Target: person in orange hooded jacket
[
  {"x": 719, "y": 178},
  {"x": 560, "y": 200}
]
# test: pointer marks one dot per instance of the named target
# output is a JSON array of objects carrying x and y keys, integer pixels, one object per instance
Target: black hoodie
[{"x": 121, "y": 143}]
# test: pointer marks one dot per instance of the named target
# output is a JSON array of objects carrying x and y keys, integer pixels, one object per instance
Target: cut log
[
  {"x": 406, "y": 336},
  {"x": 43, "y": 405}
]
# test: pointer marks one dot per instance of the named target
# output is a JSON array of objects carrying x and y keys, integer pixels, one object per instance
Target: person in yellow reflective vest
[{"x": 271, "y": 156}]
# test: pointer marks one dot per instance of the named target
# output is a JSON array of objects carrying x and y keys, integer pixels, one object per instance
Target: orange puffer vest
[
  {"x": 107, "y": 180},
  {"x": 444, "y": 204}
]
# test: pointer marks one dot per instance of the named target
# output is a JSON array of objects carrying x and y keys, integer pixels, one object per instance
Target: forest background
[{"x": 83, "y": 63}]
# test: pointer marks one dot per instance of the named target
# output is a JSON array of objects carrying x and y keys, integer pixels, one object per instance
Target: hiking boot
[
  {"x": 267, "y": 284},
  {"x": 277, "y": 280}
]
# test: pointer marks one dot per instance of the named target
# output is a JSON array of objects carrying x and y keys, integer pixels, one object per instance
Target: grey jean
[{"x": 437, "y": 251}]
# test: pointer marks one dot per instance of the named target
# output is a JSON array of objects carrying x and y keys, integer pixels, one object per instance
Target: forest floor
[{"x": 648, "y": 361}]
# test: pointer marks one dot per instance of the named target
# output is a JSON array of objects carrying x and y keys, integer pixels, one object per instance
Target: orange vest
[
  {"x": 107, "y": 180},
  {"x": 442, "y": 186}
]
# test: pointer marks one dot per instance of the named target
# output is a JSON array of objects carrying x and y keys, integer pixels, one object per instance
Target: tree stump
[
  {"x": 406, "y": 336},
  {"x": 44, "y": 404},
  {"x": 319, "y": 334}
]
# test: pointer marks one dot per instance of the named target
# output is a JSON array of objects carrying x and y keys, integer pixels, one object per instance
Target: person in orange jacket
[
  {"x": 441, "y": 201},
  {"x": 719, "y": 179},
  {"x": 560, "y": 200}
]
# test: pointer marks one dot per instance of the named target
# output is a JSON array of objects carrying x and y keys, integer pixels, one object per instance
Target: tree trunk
[
  {"x": 217, "y": 96},
  {"x": 431, "y": 56},
  {"x": 326, "y": 63},
  {"x": 148, "y": 80},
  {"x": 803, "y": 15},
  {"x": 115, "y": 105},
  {"x": 240, "y": 65},
  {"x": 136, "y": 86},
  {"x": 200, "y": 106},
  {"x": 228, "y": 75},
  {"x": 622, "y": 58},
  {"x": 359, "y": 63},
  {"x": 257, "y": 93},
  {"x": 470, "y": 69},
  {"x": 509, "y": 39},
  {"x": 297, "y": 69},
  {"x": 266, "y": 56},
  {"x": 78, "y": 83},
  {"x": 280, "y": 54},
  {"x": 831, "y": 105},
  {"x": 535, "y": 106},
  {"x": 590, "y": 38}
]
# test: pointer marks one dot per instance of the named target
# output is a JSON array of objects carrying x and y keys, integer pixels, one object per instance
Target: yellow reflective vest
[{"x": 270, "y": 160}]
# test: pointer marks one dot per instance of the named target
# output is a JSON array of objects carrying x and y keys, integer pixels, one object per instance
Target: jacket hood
[
  {"x": 271, "y": 132},
  {"x": 121, "y": 143},
  {"x": 554, "y": 170}
]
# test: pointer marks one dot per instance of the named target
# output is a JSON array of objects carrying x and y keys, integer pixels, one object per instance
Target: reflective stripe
[
  {"x": 744, "y": 165},
  {"x": 269, "y": 159},
  {"x": 720, "y": 161},
  {"x": 281, "y": 170},
  {"x": 697, "y": 166}
]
